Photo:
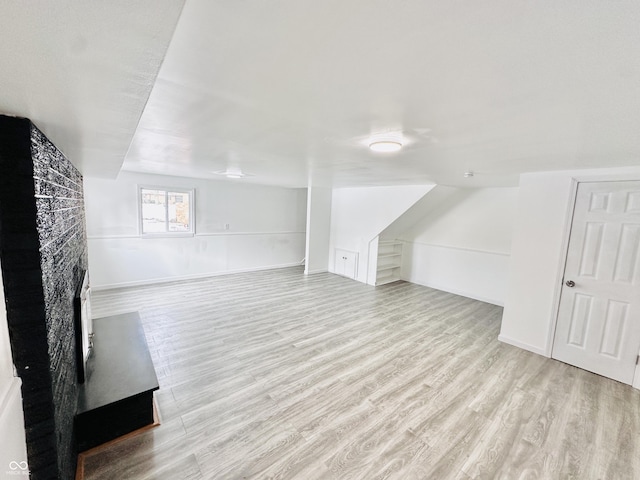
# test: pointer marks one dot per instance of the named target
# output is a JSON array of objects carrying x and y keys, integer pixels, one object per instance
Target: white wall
[
  {"x": 12, "y": 435},
  {"x": 360, "y": 214},
  {"x": 318, "y": 229},
  {"x": 545, "y": 204},
  {"x": 266, "y": 230},
  {"x": 462, "y": 242}
]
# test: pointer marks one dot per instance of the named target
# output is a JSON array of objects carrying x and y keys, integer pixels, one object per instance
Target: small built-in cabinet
[
  {"x": 389, "y": 262},
  {"x": 346, "y": 263}
]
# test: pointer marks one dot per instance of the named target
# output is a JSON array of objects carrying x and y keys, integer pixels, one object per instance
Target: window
[{"x": 166, "y": 211}]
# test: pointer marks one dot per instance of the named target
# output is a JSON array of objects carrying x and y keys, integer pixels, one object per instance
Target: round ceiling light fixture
[{"x": 385, "y": 146}]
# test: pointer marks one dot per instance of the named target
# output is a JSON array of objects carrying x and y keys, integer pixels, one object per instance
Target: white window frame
[{"x": 192, "y": 211}]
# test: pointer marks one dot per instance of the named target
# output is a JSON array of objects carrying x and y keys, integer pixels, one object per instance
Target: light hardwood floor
[{"x": 277, "y": 375}]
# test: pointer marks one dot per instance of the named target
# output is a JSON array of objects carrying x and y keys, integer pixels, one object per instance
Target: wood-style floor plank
[{"x": 277, "y": 375}]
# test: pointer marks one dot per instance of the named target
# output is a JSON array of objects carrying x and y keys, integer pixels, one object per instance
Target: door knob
[{"x": 570, "y": 283}]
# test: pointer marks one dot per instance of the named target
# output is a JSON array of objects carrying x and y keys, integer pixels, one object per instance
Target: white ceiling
[
  {"x": 291, "y": 90},
  {"x": 82, "y": 71}
]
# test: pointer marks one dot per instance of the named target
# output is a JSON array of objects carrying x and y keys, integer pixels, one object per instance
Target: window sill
[{"x": 168, "y": 235}]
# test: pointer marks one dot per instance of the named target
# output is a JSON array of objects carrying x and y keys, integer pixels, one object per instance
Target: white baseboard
[
  {"x": 524, "y": 346},
  {"x": 179, "y": 278},
  {"x": 320, "y": 270},
  {"x": 462, "y": 293}
]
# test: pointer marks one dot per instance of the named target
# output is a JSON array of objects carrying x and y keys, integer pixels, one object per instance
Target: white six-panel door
[{"x": 598, "y": 325}]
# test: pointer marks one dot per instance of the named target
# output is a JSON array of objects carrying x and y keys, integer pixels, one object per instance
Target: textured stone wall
[{"x": 43, "y": 251}]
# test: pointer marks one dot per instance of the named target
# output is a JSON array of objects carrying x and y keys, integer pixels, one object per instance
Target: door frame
[{"x": 573, "y": 192}]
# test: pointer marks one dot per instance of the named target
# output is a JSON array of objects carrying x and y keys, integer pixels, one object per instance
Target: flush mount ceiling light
[
  {"x": 233, "y": 173},
  {"x": 468, "y": 174},
  {"x": 385, "y": 146}
]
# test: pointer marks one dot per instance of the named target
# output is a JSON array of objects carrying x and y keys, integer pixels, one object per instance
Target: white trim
[
  {"x": 208, "y": 234},
  {"x": 220, "y": 234},
  {"x": 636, "y": 378},
  {"x": 575, "y": 181},
  {"x": 112, "y": 237},
  {"x": 451, "y": 247},
  {"x": 179, "y": 278},
  {"x": 167, "y": 190},
  {"x": 462, "y": 293},
  {"x": 524, "y": 346},
  {"x": 372, "y": 263},
  {"x": 619, "y": 177},
  {"x": 167, "y": 235},
  {"x": 313, "y": 272},
  {"x": 347, "y": 250},
  {"x": 557, "y": 291}
]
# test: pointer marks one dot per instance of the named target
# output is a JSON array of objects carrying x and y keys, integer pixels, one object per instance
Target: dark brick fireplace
[{"x": 43, "y": 251}]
